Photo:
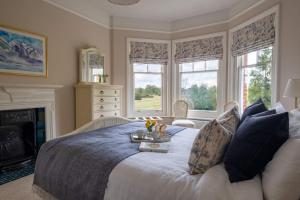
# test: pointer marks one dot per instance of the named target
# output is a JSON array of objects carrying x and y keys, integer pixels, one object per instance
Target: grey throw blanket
[{"x": 78, "y": 166}]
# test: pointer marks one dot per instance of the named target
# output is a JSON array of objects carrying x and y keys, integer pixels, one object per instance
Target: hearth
[{"x": 21, "y": 134}]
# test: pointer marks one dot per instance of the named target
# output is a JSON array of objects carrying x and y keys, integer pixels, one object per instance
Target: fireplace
[
  {"x": 38, "y": 102},
  {"x": 22, "y": 132}
]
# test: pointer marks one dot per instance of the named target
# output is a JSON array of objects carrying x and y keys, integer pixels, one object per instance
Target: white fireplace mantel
[{"x": 22, "y": 96}]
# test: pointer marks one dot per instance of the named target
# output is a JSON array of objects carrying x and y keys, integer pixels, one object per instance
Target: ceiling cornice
[
  {"x": 103, "y": 22},
  {"x": 187, "y": 24}
]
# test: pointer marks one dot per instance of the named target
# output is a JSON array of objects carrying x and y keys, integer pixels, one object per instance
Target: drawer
[
  {"x": 103, "y": 100},
  {"x": 111, "y": 106},
  {"x": 106, "y": 92},
  {"x": 106, "y": 114}
]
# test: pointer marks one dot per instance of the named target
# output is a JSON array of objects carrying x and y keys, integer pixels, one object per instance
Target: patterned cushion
[
  {"x": 230, "y": 119},
  {"x": 209, "y": 147}
]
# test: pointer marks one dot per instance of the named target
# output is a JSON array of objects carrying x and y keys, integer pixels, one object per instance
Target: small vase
[{"x": 149, "y": 132}]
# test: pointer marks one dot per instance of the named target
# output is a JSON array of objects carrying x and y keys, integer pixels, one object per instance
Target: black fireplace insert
[{"x": 17, "y": 137}]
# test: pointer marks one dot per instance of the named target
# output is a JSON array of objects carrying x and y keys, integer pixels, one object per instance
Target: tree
[
  {"x": 260, "y": 82},
  {"x": 201, "y": 97}
]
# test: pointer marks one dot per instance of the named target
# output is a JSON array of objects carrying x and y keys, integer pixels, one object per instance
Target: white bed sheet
[{"x": 164, "y": 176}]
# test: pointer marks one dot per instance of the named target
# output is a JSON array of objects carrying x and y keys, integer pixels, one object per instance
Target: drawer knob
[
  {"x": 101, "y": 92},
  {"x": 101, "y": 107},
  {"x": 115, "y": 114},
  {"x": 101, "y": 115},
  {"x": 115, "y": 91},
  {"x": 115, "y": 105},
  {"x": 101, "y": 100},
  {"x": 116, "y": 99}
]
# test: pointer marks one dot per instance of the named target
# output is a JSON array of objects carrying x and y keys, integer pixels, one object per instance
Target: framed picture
[{"x": 22, "y": 52}]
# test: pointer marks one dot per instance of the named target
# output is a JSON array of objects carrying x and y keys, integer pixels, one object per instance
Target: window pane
[
  {"x": 96, "y": 72},
  {"x": 154, "y": 68},
  {"x": 147, "y": 92},
  {"x": 186, "y": 67},
  {"x": 199, "y": 66},
  {"x": 200, "y": 90},
  {"x": 139, "y": 67},
  {"x": 212, "y": 65},
  {"x": 249, "y": 59},
  {"x": 255, "y": 82}
]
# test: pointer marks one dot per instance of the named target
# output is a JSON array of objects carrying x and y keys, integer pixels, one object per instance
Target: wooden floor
[{"x": 17, "y": 190}]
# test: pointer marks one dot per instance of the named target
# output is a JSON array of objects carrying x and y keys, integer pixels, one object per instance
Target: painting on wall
[{"x": 22, "y": 53}]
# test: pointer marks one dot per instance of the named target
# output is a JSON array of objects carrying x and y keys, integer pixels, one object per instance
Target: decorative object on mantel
[
  {"x": 124, "y": 2},
  {"x": 22, "y": 52},
  {"x": 91, "y": 68},
  {"x": 292, "y": 90}
]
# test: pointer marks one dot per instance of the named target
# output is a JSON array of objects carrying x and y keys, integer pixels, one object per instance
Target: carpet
[{"x": 7, "y": 176}]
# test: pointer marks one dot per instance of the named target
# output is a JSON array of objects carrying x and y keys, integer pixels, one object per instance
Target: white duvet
[{"x": 164, "y": 176}]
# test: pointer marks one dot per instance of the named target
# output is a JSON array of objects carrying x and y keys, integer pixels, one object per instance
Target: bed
[{"x": 148, "y": 175}]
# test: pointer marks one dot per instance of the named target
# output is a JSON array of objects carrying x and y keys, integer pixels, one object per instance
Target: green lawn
[{"x": 148, "y": 103}]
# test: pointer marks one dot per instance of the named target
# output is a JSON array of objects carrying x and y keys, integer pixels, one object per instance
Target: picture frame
[{"x": 22, "y": 52}]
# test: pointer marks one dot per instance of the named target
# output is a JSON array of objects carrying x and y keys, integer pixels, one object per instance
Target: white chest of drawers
[{"x": 97, "y": 100}]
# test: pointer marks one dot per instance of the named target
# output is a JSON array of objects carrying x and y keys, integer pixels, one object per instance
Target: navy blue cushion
[
  {"x": 254, "y": 144},
  {"x": 265, "y": 113},
  {"x": 256, "y": 107}
]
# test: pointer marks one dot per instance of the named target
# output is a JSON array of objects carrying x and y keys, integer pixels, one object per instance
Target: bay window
[
  {"x": 148, "y": 91},
  {"x": 253, "y": 60},
  {"x": 199, "y": 83},
  {"x": 254, "y": 77},
  {"x": 199, "y": 74}
]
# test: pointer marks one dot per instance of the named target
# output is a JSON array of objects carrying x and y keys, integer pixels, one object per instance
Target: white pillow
[
  {"x": 279, "y": 107},
  {"x": 294, "y": 123},
  {"x": 281, "y": 177}
]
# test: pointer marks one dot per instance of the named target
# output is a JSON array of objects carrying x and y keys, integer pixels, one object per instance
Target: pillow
[
  {"x": 208, "y": 147},
  {"x": 281, "y": 177},
  {"x": 268, "y": 112},
  {"x": 254, "y": 144},
  {"x": 294, "y": 116},
  {"x": 279, "y": 107},
  {"x": 256, "y": 107},
  {"x": 230, "y": 119}
]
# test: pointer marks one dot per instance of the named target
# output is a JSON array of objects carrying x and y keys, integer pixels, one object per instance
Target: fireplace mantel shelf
[
  {"x": 23, "y": 96},
  {"x": 42, "y": 86}
]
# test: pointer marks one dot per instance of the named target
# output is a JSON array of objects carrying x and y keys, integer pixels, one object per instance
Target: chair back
[{"x": 180, "y": 109}]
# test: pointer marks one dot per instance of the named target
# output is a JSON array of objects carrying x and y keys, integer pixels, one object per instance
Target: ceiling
[{"x": 155, "y": 10}]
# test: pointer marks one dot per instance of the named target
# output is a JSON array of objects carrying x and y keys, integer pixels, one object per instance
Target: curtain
[
  {"x": 148, "y": 53},
  {"x": 197, "y": 50},
  {"x": 255, "y": 36}
]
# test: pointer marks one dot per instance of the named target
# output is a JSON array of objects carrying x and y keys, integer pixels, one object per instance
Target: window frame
[
  {"x": 233, "y": 70},
  {"x": 165, "y": 92},
  {"x": 221, "y": 88}
]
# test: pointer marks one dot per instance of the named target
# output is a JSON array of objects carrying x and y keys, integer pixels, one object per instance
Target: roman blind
[
  {"x": 148, "y": 52},
  {"x": 255, "y": 36},
  {"x": 201, "y": 49}
]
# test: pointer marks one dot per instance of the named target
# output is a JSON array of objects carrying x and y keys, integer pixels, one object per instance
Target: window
[
  {"x": 198, "y": 84},
  {"x": 148, "y": 70},
  {"x": 148, "y": 79},
  {"x": 200, "y": 73},
  {"x": 255, "y": 76}
]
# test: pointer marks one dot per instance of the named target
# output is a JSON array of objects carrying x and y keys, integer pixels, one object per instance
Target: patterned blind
[
  {"x": 148, "y": 53},
  {"x": 197, "y": 50},
  {"x": 255, "y": 36}
]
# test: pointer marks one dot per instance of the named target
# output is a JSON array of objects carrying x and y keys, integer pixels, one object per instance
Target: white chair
[{"x": 180, "y": 115}]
